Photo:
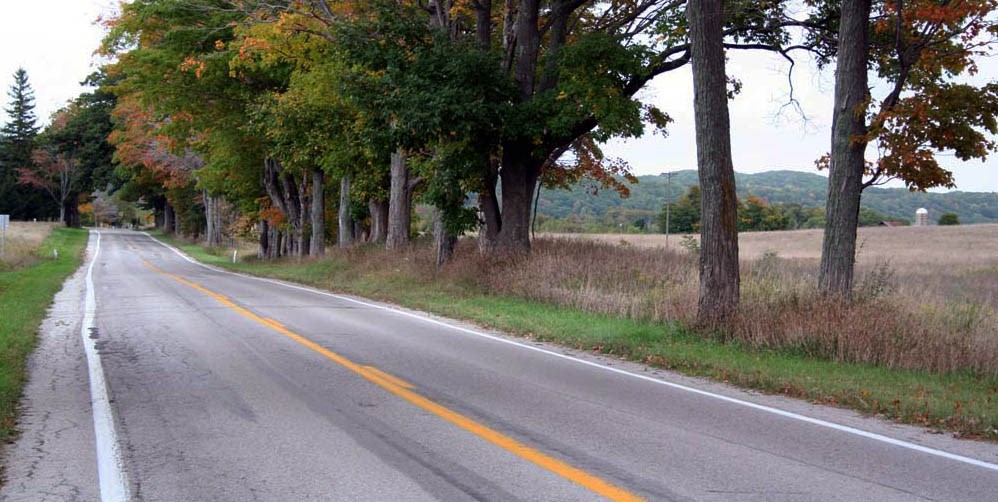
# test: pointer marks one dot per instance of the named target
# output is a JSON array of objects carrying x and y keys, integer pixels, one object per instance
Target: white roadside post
[{"x": 4, "y": 223}]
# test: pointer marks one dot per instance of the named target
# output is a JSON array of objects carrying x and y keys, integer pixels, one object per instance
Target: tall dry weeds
[
  {"x": 939, "y": 321},
  {"x": 21, "y": 244}
]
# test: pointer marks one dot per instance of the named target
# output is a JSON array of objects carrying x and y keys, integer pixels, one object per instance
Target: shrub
[{"x": 949, "y": 219}]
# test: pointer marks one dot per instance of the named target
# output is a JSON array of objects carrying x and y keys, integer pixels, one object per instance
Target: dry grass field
[
  {"x": 23, "y": 239},
  {"x": 942, "y": 246},
  {"x": 926, "y": 297}
]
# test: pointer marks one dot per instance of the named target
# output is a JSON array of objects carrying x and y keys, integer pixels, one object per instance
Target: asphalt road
[{"x": 223, "y": 387}]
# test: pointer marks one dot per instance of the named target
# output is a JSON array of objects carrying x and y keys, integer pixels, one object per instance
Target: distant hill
[{"x": 776, "y": 187}]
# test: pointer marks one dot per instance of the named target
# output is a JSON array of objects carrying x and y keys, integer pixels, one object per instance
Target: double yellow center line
[{"x": 404, "y": 390}]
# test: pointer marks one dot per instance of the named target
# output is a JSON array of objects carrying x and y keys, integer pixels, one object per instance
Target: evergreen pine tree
[{"x": 17, "y": 142}]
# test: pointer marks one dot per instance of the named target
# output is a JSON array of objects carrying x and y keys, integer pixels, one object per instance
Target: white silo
[{"x": 922, "y": 217}]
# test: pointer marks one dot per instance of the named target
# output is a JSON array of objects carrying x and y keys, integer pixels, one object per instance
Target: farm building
[{"x": 922, "y": 217}]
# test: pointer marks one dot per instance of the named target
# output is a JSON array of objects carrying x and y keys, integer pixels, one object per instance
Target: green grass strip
[
  {"x": 25, "y": 295},
  {"x": 961, "y": 403}
]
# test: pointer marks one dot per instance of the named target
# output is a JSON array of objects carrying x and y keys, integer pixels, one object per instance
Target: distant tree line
[
  {"x": 756, "y": 214},
  {"x": 580, "y": 205}
]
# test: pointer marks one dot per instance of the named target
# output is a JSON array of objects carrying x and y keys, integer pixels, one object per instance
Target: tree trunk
[
  {"x": 209, "y": 217},
  {"x": 399, "y": 203},
  {"x": 276, "y": 243},
  {"x": 491, "y": 218},
  {"x": 379, "y": 220},
  {"x": 358, "y": 231},
  {"x": 213, "y": 218},
  {"x": 519, "y": 179},
  {"x": 159, "y": 212},
  {"x": 719, "y": 279},
  {"x": 344, "y": 234},
  {"x": 318, "y": 244},
  {"x": 528, "y": 41},
  {"x": 290, "y": 198},
  {"x": 264, "y": 251},
  {"x": 71, "y": 210},
  {"x": 443, "y": 240},
  {"x": 289, "y": 192},
  {"x": 168, "y": 218},
  {"x": 483, "y": 24},
  {"x": 845, "y": 175},
  {"x": 303, "y": 211}
]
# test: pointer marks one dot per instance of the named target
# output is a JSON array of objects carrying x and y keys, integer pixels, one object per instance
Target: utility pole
[{"x": 668, "y": 192}]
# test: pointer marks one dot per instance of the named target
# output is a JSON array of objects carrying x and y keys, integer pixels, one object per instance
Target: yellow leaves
[
  {"x": 462, "y": 8},
  {"x": 192, "y": 63}
]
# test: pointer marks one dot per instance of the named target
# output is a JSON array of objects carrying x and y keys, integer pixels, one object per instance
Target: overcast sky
[{"x": 61, "y": 54}]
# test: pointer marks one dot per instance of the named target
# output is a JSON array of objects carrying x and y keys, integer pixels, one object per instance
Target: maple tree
[
  {"x": 307, "y": 125},
  {"x": 55, "y": 173},
  {"x": 918, "y": 47},
  {"x": 719, "y": 272},
  {"x": 187, "y": 109}
]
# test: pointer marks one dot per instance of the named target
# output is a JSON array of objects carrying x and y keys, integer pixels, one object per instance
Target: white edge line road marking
[
  {"x": 768, "y": 409},
  {"x": 110, "y": 466}
]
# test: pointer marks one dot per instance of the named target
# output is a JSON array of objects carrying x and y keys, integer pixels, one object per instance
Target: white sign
[{"x": 4, "y": 223}]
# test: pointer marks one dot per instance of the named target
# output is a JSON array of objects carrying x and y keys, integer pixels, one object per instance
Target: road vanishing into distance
[{"x": 185, "y": 383}]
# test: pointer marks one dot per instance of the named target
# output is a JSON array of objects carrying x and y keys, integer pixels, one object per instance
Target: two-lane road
[{"x": 223, "y": 387}]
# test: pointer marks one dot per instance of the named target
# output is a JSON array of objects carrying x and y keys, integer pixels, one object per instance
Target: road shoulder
[{"x": 53, "y": 458}]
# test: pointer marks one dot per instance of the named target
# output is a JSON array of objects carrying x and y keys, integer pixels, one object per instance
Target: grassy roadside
[
  {"x": 25, "y": 295},
  {"x": 959, "y": 402}
]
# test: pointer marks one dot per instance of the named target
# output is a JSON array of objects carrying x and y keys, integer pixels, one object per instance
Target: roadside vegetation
[
  {"x": 21, "y": 246},
  {"x": 30, "y": 276},
  {"x": 907, "y": 348}
]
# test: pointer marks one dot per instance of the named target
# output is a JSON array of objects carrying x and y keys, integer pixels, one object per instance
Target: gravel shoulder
[{"x": 53, "y": 458}]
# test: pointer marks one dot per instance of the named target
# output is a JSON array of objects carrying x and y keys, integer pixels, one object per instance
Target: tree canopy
[{"x": 274, "y": 108}]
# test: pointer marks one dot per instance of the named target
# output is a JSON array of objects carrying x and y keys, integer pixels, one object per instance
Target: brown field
[
  {"x": 942, "y": 246},
  {"x": 23, "y": 239}
]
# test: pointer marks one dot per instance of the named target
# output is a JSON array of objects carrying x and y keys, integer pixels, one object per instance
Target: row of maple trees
[{"x": 268, "y": 107}]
